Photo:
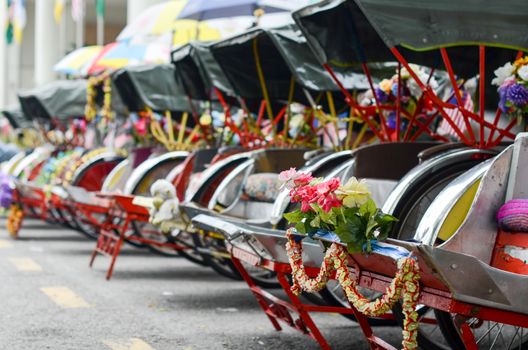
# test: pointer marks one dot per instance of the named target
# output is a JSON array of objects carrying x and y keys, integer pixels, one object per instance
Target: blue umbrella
[{"x": 211, "y": 9}]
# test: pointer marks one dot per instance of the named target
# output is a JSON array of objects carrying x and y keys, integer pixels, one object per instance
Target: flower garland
[
  {"x": 14, "y": 220},
  {"x": 512, "y": 82},
  {"x": 405, "y": 284},
  {"x": 68, "y": 177},
  {"x": 63, "y": 165},
  {"x": 90, "y": 111}
]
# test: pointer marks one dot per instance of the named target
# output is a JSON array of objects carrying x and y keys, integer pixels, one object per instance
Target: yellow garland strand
[
  {"x": 68, "y": 177},
  {"x": 90, "y": 110},
  {"x": 14, "y": 220},
  {"x": 405, "y": 284}
]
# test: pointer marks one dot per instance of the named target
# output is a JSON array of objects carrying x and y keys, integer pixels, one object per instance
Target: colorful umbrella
[
  {"x": 211, "y": 9},
  {"x": 206, "y": 20},
  {"x": 77, "y": 61},
  {"x": 121, "y": 54},
  {"x": 156, "y": 20}
]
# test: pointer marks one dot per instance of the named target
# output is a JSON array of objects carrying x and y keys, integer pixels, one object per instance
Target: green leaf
[
  {"x": 301, "y": 227},
  {"x": 354, "y": 247},
  {"x": 328, "y": 217},
  {"x": 368, "y": 208},
  {"x": 352, "y": 230},
  {"x": 316, "y": 222},
  {"x": 294, "y": 216}
]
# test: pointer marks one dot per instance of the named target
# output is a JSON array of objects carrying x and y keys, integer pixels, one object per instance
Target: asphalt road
[{"x": 51, "y": 299}]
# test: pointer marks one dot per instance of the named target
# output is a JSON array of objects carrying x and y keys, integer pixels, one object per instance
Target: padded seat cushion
[{"x": 263, "y": 187}]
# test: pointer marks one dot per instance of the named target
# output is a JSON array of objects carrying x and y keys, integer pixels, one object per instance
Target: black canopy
[
  {"x": 425, "y": 25},
  {"x": 343, "y": 35},
  {"x": 283, "y": 54},
  {"x": 60, "y": 99},
  {"x": 153, "y": 86},
  {"x": 16, "y": 117},
  {"x": 189, "y": 69}
]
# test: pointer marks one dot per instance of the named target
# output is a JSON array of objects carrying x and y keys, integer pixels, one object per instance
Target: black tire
[
  {"x": 85, "y": 228},
  {"x": 208, "y": 246},
  {"x": 168, "y": 252},
  {"x": 66, "y": 218}
]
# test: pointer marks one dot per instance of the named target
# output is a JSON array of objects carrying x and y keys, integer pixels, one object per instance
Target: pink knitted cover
[{"x": 513, "y": 216}]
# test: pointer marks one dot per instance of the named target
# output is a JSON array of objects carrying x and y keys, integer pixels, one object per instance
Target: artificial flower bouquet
[
  {"x": 386, "y": 92},
  {"x": 327, "y": 206},
  {"x": 512, "y": 82}
]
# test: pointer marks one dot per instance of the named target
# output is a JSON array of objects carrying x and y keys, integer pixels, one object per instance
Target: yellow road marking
[
  {"x": 130, "y": 344},
  {"x": 25, "y": 264},
  {"x": 65, "y": 297},
  {"x": 5, "y": 244}
]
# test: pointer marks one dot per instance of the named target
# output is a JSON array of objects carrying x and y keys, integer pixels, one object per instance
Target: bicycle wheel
[{"x": 488, "y": 335}]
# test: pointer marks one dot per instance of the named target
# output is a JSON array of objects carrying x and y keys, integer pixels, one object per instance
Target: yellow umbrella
[
  {"x": 155, "y": 21},
  {"x": 78, "y": 61}
]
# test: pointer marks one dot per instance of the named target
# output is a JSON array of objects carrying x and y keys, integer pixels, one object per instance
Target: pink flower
[
  {"x": 328, "y": 186},
  {"x": 326, "y": 197},
  {"x": 329, "y": 202},
  {"x": 306, "y": 195},
  {"x": 303, "y": 179},
  {"x": 287, "y": 175},
  {"x": 141, "y": 126},
  {"x": 292, "y": 178}
]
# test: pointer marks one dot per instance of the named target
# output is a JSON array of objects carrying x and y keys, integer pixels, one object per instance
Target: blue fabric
[
  {"x": 391, "y": 251},
  {"x": 324, "y": 234},
  {"x": 381, "y": 248},
  {"x": 210, "y": 9}
]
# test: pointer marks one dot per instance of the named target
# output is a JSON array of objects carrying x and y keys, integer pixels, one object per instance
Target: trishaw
[
  {"x": 55, "y": 107},
  {"x": 261, "y": 248},
  {"x": 148, "y": 91}
]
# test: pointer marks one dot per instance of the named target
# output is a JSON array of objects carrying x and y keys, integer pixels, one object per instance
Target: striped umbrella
[
  {"x": 121, "y": 54},
  {"x": 77, "y": 61}
]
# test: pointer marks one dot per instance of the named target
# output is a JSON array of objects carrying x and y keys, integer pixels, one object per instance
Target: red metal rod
[
  {"x": 425, "y": 90},
  {"x": 458, "y": 93},
  {"x": 352, "y": 102},
  {"x": 512, "y": 123},
  {"x": 398, "y": 105},
  {"x": 228, "y": 121},
  {"x": 498, "y": 114},
  {"x": 371, "y": 84},
  {"x": 261, "y": 111},
  {"x": 482, "y": 90}
]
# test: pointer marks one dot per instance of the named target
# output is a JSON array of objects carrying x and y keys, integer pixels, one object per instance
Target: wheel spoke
[{"x": 487, "y": 332}]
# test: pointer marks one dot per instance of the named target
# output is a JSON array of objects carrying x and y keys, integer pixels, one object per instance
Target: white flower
[
  {"x": 354, "y": 193},
  {"x": 503, "y": 73},
  {"x": 523, "y": 72},
  {"x": 414, "y": 88}
]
